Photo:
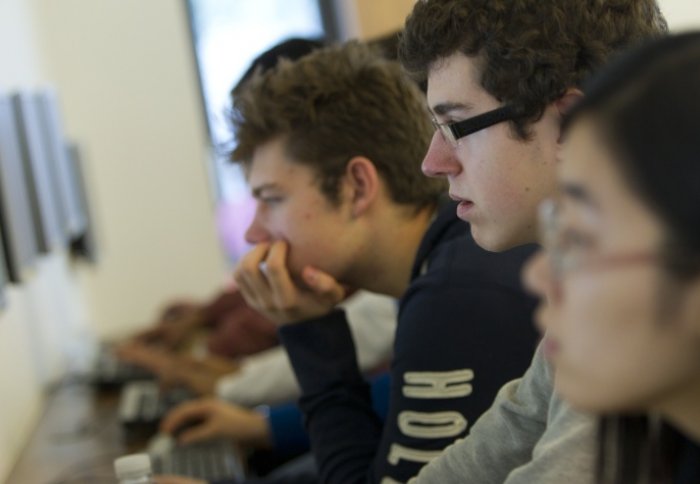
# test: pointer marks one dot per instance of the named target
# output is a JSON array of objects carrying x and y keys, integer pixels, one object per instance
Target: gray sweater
[{"x": 528, "y": 436}]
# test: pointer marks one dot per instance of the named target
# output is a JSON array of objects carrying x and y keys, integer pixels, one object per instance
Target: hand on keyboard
[
  {"x": 213, "y": 460},
  {"x": 216, "y": 418},
  {"x": 176, "y": 480}
]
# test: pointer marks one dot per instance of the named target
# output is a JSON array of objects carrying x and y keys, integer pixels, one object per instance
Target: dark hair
[
  {"x": 529, "y": 51},
  {"x": 387, "y": 45},
  {"x": 292, "y": 49},
  {"x": 645, "y": 108},
  {"x": 337, "y": 103},
  {"x": 635, "y": 449}
]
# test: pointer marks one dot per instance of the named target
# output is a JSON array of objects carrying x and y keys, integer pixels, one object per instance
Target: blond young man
[{"x": 332, "y": 145}]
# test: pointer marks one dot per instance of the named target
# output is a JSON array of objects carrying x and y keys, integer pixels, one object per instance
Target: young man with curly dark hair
[{"x": 500, "y": 76}]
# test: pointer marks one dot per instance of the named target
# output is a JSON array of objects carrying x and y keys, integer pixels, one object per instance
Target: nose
[
  {"x": 256, "y": 231},
  {"x": 440, "y": 160},
  {"x": 539, "y": 279}
]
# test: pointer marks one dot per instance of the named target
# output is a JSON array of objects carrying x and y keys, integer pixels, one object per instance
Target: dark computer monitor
[
  {"x": 4, "y": 277},
  {"x": 83, "y": 243},
  {"x": 4, "y": 273},
  {"x": 18, "y": 237},
  {"x": 66, "y": 183},
  {"x": 45, "y": 202}
]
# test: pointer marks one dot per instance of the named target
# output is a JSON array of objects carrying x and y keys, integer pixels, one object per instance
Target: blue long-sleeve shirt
[{"x": 286, "y": 421}]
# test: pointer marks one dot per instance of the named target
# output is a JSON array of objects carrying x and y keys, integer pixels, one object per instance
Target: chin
[
  {"x": 494, "y": 239},
  {"x": 579, "y": 398},
  {"x": 590, "y": 399},
  {"x": 491, "y": 241}
]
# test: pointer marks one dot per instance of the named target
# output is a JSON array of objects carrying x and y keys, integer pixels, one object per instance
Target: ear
[
  {"x": 564, "y": 104},
  {"x": 363, "y": 183}
]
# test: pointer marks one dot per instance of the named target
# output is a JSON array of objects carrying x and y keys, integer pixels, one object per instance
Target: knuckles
[{"x": 247, "y": 266}]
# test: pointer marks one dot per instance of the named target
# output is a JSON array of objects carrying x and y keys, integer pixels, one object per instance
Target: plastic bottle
[{"x": 134, "y": 469}]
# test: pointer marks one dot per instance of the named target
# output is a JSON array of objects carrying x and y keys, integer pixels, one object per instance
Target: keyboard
[
  {"x": 110, "y": 372},
  {"x": 211, "y": 460},
  {"x": 142, "y": 402},
  {"x": 142, "y": 405}
]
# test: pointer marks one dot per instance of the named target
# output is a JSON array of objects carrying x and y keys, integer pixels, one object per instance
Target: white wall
[
  {"x": 368, "y": 19},
  {"x": 128, "y": 83},
  {"x": 371, "y": 18},
  {"x": 125, "y": 74},
  {"x": 681, "y": 14},
  {"x": 41, "y": 316}
]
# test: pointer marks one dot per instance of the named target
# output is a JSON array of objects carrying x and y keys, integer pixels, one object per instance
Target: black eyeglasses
[{"x": 452, "y": 132}]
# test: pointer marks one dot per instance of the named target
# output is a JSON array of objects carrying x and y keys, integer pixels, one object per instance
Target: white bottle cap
[{"x": 131, "y": 466}]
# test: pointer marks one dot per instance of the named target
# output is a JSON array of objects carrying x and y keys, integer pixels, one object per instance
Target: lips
[
  {"x": 550, "y": 346},
  {"x": 464, "y": 206},
  {"x": 464, "y": 209},
  {"x": 457, "y": 198}
]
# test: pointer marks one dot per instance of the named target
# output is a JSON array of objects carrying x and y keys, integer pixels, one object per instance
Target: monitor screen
[
  {"x": 63, "y": 175},
  {"x": 44, "y": 200},
  {"x": 83, "y": 244},
  {"x": 18, "y": 237},
  {"x": 4, "y": 273}
]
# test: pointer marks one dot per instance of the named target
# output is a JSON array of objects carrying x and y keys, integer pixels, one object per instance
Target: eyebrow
[
  {"x": 442, "y": 109},
  {"x": 578, "y": 193},
  {"x": 257, "y": 191}
]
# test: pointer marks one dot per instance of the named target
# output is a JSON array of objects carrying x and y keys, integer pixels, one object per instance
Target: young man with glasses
[{"x": 500, "y": 77}]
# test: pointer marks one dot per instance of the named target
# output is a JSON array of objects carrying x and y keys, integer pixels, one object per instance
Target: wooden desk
[{"x": 76, "y": 440}]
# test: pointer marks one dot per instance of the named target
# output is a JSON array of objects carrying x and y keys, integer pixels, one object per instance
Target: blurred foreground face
[
  {"x": 291, "y": 207},
  {"x": 622, "y": 334}
]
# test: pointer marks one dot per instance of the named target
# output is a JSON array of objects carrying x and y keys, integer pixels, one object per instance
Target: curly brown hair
[
  {"x": 334, "y": 104},
  {"x": 529, "y": 51}
]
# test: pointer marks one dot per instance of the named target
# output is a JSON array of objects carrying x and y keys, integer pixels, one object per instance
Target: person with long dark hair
[{"x": 620, "y": 274}]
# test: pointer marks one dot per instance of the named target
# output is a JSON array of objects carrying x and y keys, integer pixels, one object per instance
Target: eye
[
  {"x": 450, "y": 121},
  {"x": 271, "y": 200},
  {"x": 572, "y": 239}
]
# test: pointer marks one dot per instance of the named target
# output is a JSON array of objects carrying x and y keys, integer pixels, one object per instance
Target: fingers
[
  {"x": 250, "y": 278},
  {"x": 323, "y": 284},
  {"x": 125, "y": 351},
  {"x": 190, "y": 361},
  {"x": 145, "y": 356},
  {"x": 206, "y": 431},
  {"x": 219, "y": 365},
  {"x": 267, "y": 285},
  {"x": 264, "y": 280},
  {"x": 170, "y": 378},
  {"x": 201, "y": 381},
  {"x": 181, "y": 415},
  {"x": 284, "y": 291},
  {"x": 170, "y": 479},
  {"x": 148, "y": 336},
  {"x": 177, "y": 309}
]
